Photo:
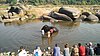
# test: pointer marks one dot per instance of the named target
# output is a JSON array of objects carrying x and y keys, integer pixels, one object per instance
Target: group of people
[{"x": 75, "y": 50}]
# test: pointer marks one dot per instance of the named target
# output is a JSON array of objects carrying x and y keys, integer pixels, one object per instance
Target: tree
[
  {"x": 11, "y": 1},
  {"x": 55, "y": 2}
]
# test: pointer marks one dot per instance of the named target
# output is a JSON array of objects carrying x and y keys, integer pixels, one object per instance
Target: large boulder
[
  {"x": 81, "y": 18},
  {"x": 98, "y": 15},
  {"x": 86, "y": 16},
  {"x": 59, "y": 16},
  {"x": 71, "y": 12},
  {"x": 92, "y": 17},
  {"x": 45, "y": 17},
  {"x": 14, "y": 9}
]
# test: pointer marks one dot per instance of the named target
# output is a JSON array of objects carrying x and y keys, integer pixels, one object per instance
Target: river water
[{"x": 27, "y": 33}]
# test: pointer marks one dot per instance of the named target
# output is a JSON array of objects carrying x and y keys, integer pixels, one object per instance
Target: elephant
[
  {"x": 45, "y": 29},
  {"x": 59, "y": 16}
]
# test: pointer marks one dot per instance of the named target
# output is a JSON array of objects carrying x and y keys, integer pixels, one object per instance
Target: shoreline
[{"x": 47, "y": 51}]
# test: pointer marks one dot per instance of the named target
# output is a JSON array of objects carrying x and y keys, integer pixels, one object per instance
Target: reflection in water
[
  {"x": 18, "y": 23},
  {"x": 47, "y": 40},
  {"x": 68, "y": 24},
  {"x": 91, "y": 22}
]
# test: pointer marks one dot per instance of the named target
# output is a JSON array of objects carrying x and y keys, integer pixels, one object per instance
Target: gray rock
[
  {"x": 59, "y": 16},
  {"x": 98, "y": 15},
  {"x": 92, "y": 18},
  {"x": 73, "y": 13}
]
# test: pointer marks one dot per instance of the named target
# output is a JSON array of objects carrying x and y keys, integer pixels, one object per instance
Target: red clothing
[
  {"x": 82, "y": 51},
  {"x": 51, "y": 30}
]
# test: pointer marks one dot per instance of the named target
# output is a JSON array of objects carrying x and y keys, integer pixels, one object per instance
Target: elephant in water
[{"x": 49, "y": 30}]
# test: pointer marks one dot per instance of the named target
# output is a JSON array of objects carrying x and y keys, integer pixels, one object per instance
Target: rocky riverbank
[{"x": 49, "y": 12}]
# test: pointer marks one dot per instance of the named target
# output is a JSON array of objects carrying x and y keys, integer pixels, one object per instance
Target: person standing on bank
[
  {"x": 66, "y": 50},
  {"x": 75, "y": 51},
  {"x": 82, "y": 50},
  {"x": 91, "y": 50},
  {"x": 56, "y": 50},
  {"x": 97, "y": 49},
  {"x": 37, "y": 51},
  {"x": 22, "y": 52}
]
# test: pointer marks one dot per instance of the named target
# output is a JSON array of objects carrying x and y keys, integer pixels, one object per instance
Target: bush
[{"x": 12, "y": 2}]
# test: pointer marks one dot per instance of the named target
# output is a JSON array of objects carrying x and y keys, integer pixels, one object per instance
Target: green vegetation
[
  {"x": 64, "y": 2},
  {"x": 4, "y": 6},
  {"x": 54, "y": 2}
]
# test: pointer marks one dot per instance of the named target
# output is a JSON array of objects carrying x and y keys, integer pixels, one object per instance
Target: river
[{"x": 27, "y": 33}]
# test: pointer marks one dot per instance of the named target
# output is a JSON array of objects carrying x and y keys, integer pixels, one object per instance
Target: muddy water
[{"x": 27, "y": 33}]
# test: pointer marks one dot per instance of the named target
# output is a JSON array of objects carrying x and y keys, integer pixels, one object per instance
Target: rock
[
  {"x": 45, "y": 17},
  {"x": 98, "y": 15},
  {"x": 71, "y": 12},
  {"x": 3, "y": 17},
  {"x": 59, "y": 16},
  {"x": 22, "y": 18},
  {"x": 86, "y": 14},
  {"x": 14, "y": 9},
  {"x": 22, "y": 13},
  {"x": 92, "y": 17},
  {"x": 81, "y": 18},
  {"x": 23, "y": 7},
  {"x": 66, "y": 12},
  {"x": 0, "y": 18}
]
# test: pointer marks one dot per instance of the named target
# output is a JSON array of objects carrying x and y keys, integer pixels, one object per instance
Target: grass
[{"x": 4, "y": 6}]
